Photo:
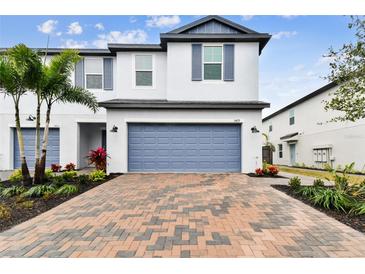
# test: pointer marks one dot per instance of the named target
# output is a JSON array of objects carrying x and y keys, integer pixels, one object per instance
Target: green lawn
[{"x": 319, "y": 174}]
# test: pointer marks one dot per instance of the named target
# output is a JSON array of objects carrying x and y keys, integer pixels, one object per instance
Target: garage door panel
[
  {"x": 53, "y": 148},
  {"x": 184, "y": 147}
]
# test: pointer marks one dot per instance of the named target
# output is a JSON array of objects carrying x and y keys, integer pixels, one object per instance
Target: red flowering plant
[
  {"x": 98, "y": 158},
  {"x": 273, "y": 170},
  {"x": 56, "y": 167},
  {"x": 70, "y": 166},
  {"x": 259, "y": 172}
]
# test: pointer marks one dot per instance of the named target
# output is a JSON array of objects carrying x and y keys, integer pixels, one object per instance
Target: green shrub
[
  {"x": 39, "y": 191},
  {"x": 48, "y": 174},
  {"x": 69, "y": 176},
  {"x": 97, "y": 176},
  {"x": 5, "y": 212},
  {"x": 295, "y": 182},
  {"x": 358, "y": 208},
  {"x": 67, "y": 190},
  {"x": 332, "y": 198},
  {"x": 318, "y": 183},
  {"x": 16, "y": 176},
  {"x": 58, "y": 181},
  {"x": 307, "y": 191},
  {"x": 82, "y": 179},
  {"x": 26, "y": 204},
  {"x": 12, "y": 191}
]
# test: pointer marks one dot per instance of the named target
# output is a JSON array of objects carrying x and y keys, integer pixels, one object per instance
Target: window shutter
[
  {"x": 108, "y": 73},
  {"x": 79, "y": 74},
  {"x": 228, "y": 58},
  {"x": 196, "y": 71}
]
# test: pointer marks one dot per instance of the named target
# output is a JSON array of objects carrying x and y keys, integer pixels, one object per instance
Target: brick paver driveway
[{"x": 182, "y": 215}]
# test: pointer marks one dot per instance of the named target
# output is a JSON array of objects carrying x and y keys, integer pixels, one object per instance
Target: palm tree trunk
[
  {"x": 36, "y": 178},
  {"x": 27, "y": 180},
  {"x": 42, "y": 164}
]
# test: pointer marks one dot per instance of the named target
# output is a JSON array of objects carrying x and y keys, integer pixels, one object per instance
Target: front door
[{"x": 292, "y": 154}]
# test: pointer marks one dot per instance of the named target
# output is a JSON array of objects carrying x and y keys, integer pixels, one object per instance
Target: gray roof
[
  {"x": 165, "y": 104},
  {"x": 301, "y": 100}
]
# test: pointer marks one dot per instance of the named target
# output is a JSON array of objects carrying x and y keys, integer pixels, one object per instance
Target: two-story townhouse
[
  {"x": 303, "y": 134},
  {"x": 188, "y": 104}
]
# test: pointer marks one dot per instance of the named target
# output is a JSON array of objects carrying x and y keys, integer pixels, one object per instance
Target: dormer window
[{"x": 212, "y": 66}]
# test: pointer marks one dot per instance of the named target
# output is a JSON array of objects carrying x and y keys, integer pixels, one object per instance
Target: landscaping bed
[
  {"x": 18, "y": 204},
  {"x": 266, "y": 176},
  {"x": 355, "y": 221}
]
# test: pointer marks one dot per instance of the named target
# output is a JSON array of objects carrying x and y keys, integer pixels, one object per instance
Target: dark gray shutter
[
  {"x": 79, "y": 74},
  {"x": 108, "y": 73},
  {"x": 228, "y": 52},
  {"x": 196, "y": 70}
]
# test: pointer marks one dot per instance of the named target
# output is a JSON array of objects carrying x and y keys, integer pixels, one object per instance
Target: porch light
[
  {"x": 114, "y": 129},
  {"x": 30, "y": 118},
  {"x": 254, "y": 129}
]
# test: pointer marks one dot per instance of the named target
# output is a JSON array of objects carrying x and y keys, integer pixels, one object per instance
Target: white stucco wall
[
  {"x": 117, "y": 143},
  {"x": 311, "y": 121},
  {"x": 181, "y": 87}
]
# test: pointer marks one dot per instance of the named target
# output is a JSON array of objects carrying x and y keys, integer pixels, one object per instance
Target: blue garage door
[
  {"x": 53, "y": 148},
  {"x": 184, "y": 147}
]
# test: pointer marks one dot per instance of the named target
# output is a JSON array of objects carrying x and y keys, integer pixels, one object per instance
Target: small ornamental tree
[
  {"x": 348, "y": 71},
  {"x": 98, "y": 158}
]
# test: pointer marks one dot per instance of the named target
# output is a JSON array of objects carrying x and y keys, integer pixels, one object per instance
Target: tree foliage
[{"x": 348, "y": 71}]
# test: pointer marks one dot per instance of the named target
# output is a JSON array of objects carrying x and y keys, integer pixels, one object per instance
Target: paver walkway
[{"x": 182, "y": 215}]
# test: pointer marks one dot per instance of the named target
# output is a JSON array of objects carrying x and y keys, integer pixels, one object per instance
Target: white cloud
[
  {"x": 99, "y": 26},
  {"x": 323, "y": 60},
  {"x": 284, "y": 34},
  {"x": 70, "y": 43},
  {"x": 48, "y": 26},
  {"x": 289, "y": 16},
  {"x": 74, "y": 28},
  {"x": 132, "y": 19},
  {"x": 246, "y": 17},
  {"x": 162, "y": 21},
  {"x": 137, "y": 36}
]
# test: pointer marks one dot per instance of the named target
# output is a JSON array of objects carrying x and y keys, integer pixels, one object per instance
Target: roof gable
[{"x": 212, "y": 25}]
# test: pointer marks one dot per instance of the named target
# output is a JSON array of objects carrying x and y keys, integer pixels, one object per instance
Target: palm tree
[
  {"x": 19, "y": 72},
  {"x": 268, "y": 143},
  {"x": 56, "y": 87}
]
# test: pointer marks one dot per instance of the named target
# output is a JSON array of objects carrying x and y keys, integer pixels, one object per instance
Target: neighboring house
[
  {"x": 303, "y": 134},
  {"x": 188, "y": 104}
]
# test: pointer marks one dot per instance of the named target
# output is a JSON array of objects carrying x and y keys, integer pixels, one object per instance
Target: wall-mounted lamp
[
  {"x": 114, "y": 129},
  {"x": 30, "y": 118},
  {"x": 254, "y": 129}
]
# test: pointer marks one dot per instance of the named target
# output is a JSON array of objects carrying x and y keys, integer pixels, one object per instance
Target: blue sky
[{"x": 291, "y": 65}]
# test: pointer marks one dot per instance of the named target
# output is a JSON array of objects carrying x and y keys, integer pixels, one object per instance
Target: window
[
  {"x": 291, "y": 117},
  {"x": 212, "y": 64},
  {"x": 144, "y": 71},
  {"x": 280, "y": 148},
  {"x": 270, "y": 128},
  {"x": 94, "y": 73}
]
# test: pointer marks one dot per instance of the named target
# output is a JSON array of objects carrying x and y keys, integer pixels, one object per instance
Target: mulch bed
[
  {"x": 19, "y": 214},
  {"x": 355, "y": 221},
  {"x": 265, "y": 176}
]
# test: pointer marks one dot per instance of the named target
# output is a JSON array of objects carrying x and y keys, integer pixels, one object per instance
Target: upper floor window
[
  {"x": 270, "y": 128},
  {"x": 212, "y": 65},
  {"x": 291, "y": 117},
  {"x": 144, "y": 70},
  {"x": 94, "y": 73}
]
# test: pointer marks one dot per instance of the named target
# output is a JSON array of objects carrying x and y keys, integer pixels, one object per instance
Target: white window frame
[
  {"x": 291, "y": 115},
  {"x": 102, "y": 73},
  {"x": 222, "y": 62},
  {"x": 134, "y": 71}
]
